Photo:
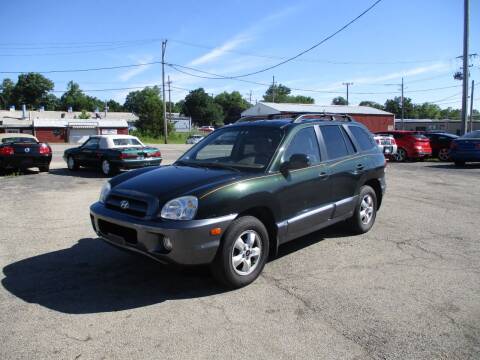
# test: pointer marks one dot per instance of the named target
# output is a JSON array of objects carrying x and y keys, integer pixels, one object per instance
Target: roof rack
[
  {"x": 322, "y": 117},
  {"x": 264, "y": 117}
]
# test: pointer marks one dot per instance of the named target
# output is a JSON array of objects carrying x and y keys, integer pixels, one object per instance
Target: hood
[{"x": 168, "y": 182}]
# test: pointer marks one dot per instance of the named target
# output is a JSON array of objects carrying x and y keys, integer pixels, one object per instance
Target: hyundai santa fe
[{"x": 231, "y": 200}]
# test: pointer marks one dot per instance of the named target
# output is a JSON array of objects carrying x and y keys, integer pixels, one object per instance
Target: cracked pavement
[{"x": 409, "y": 289}]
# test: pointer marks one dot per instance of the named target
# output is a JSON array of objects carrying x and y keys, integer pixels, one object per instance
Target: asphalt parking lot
[{"x": 409, "y": 289}]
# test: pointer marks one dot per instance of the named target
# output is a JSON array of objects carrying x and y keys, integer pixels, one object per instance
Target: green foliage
[
  {"x": 77, "y": 99},
  {"x": 173, "y": 137},
  {"x": 281, "y": 94},
  {"x": 114, "y": 106},
  {"x": 84, "y": 115},
  {"x": 31, "y": 89},
  {"x": 232, "y": 105},
  {"x": 148, "y": 106},
  {"x": 427, "y": 111},
  {"x": 202, "y": 108},
  {"x": 372, "y": 104},
  {"x": 6, "y": 93},
  {"x": 395, "y": 106},
  {"x": 339, "y": 100}
]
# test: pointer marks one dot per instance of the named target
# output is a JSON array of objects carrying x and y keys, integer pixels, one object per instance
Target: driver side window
[
  {"x": 91, "y": 143},
  {"x": 304, "y": 142}
]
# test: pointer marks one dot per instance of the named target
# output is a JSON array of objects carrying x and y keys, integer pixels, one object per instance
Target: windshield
[
  {"x": 24, "y": 140},
  {"x": 126, "y": 142},
  {"x": 472, "y": 135},
  {"x": 238, "y": 147}
]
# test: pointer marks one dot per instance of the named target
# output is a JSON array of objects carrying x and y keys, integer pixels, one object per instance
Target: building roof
[
  {"x": 266, "y": 108},
  {"x": 81, "y": 123}
]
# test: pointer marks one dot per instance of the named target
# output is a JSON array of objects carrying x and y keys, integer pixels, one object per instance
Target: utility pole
[
  {"x": 169, "y": 100},
  {"x": 471, "y": 106},
  {"x": 250, "y": 97},
  {"x": 403, "y": 107},
  {"x": 273, "y": 89},
  {"x": 164, "y": 47},
  {"x": 465, "y": 67},
  {"x": 347, "y": 84}
]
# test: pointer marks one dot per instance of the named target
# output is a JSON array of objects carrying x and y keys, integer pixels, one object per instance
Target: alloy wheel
[
  {"x": 444, "y": 154},
  {"x": 106, "y": 167},
  {"x": 400, "y": 155},
  {"x": 246, "y": 252},
  {"x": 366, "y": 209},
  {"x": 70, "y": 162}
]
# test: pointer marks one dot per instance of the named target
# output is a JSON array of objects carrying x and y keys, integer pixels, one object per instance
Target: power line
[{"x": 314, "y": 46}]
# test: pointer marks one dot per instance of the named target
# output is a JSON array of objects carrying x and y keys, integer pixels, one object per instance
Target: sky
[{"x": 417, "y": 40}]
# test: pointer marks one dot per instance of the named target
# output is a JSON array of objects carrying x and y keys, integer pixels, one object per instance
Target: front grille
[
  {"x": 136, "y": 207},
  {"x": 128, "y": 234}
]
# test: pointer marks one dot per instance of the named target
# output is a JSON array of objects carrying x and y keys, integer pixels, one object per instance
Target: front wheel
[
  {"x": 365, "y": 211},
  {"x": 401, "y": 155},
  {"x": 72, "y": 164},
  {"x": 242, "y": 254}
]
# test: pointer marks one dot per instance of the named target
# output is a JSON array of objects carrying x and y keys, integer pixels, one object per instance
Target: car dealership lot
[{"x": 410, "y": 288}]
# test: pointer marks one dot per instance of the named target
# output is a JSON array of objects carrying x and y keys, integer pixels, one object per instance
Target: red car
[{"x": 411, "y": 145}]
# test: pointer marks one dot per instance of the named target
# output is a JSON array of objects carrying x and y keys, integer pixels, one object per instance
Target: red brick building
[
  {"x": 59, "y": 126},
  {"x": 374, "y": 119}
]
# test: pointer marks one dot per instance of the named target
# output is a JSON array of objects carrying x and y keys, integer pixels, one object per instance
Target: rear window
[
  {"x": 419, "y": 136},
  {"x": 24, "y": 140},
  {"x": 126, "y": 142},
  {"x": 364, "y": 139},
  {"x": 334, "y": 141}
]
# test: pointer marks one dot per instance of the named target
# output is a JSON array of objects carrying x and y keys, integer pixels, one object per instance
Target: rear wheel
[
  {"x": 444, "y": 154},
  {"x": 365, "y": 211},
  {"x": 242, "y": 254},
  {"x": 72, "y": 164},
  {"x": 401, "y": 155},
  {"x": 107, "y": 168}
]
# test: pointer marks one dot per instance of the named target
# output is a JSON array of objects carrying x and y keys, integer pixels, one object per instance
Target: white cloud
[
  {"x": 219, "y": 51},
  {"x": 131, "y": 73}
]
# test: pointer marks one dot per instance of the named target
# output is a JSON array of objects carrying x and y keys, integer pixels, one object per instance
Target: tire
[
  {"x": 365, "y": 211},
  {"x": 401, "y": 155},
  {"x": 45, "y": 168},
  {"x": 72, "y": 164},
  {"x": 444, "y": 154},
  {"x": 107, "y": 168},
  {"x": 459, "y": 163},
  {"x": 244, "y": 234}
]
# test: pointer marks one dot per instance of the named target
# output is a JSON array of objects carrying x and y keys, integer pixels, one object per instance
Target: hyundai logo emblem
[{"x": 124, "y": 204}]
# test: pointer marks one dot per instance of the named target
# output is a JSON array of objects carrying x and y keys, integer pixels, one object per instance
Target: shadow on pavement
[
  {"x": 452, "y": 166},
  {"x": 93, "y": 277},
  {"x": 80, "y": 173}
]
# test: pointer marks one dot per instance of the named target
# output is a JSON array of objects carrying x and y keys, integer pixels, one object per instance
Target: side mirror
[{"x": 296, "y": 161}]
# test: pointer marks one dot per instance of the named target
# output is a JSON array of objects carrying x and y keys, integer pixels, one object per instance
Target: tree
[
  {"x": 372, "y": 104},
  {"x": 281, "y": 94},
  {"x": 395, "y": 106},
  {"x": 114, "y": 106},
  {"x": 51, "y": 102},
  {"x": 428, "y": 111},
  {"x": 148, "y": 106},
  {"x": 6, "y": 93},
  {"x": 202, "y": 108},
  {"x": 232, "y": 105},
  {"x": 84, "y": 115},
  {"x": 31, "y": 89},
  {"x": 75, "y": 98},
  {"x": 339, "y": 100}
]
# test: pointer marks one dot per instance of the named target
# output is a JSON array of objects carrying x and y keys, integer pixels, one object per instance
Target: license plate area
[{"x": 118, "y": 231}]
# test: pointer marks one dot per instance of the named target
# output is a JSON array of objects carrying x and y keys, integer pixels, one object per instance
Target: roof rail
[
  {"x": 323, "y": 117},
  {"x": 263, "y": 117}
]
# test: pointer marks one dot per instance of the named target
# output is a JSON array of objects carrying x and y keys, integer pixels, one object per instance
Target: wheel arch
[{"x": 375, "y": 185}]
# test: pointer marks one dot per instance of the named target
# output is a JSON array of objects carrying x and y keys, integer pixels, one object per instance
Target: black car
[
  {"x": 112, "y": 153},
  {"x": 232, "y": 204},
  {"x": 23, "y": 151},
  {"x": 440, "y": 143}
]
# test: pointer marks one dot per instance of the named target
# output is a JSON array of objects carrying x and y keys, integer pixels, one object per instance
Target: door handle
[
  {"x": 360, "y": 167},
  {"x": 323, "y": 175}
]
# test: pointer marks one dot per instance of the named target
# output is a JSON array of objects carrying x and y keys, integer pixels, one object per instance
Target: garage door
[{"x": 80, "y": 135}]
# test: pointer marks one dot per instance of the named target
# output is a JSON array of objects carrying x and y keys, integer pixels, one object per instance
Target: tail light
[
  {"x": 393, "y": 142},
  {"x": 127, "y": 156},
  {"x": 45, "y": 149},
  {"x": 156, "y": 154},
  {"x": 7, "y": 151}
]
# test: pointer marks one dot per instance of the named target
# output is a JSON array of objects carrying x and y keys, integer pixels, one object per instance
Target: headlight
[
  {"x": 182, "y": 208},
  {"x": 104, "y": 192}
]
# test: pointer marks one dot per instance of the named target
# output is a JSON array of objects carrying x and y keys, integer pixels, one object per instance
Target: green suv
[{"x": 231, "y": 200}]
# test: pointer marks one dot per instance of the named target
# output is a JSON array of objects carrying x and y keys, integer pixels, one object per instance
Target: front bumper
[{"x": 191, "y": 240}]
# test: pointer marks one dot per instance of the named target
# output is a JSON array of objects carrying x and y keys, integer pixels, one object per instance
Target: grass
[{"x": 173, "y": 138}]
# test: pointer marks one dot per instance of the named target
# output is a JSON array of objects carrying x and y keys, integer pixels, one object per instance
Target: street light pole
[
  {"x": 164, "y": 46},
  {"x": 465, "y": 67},
  {"x": 347, "y": 84}
]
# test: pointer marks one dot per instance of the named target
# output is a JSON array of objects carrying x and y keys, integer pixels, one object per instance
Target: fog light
[{"x": 167, "y": 243}]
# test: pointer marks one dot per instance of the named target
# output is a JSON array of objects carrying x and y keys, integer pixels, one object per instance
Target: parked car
[
  {"x": 23, "y": 151},
  {"x": 207, "y": 129},
  {"x": 111, "y": 153},
  {"x": 386, "y": 144},
  {"x": 440, "y": 144},
  {"x": 410, "y": 145},
  {"x": 193, "y": 139},
  {"x": 466, "y": 148},
  {"x": 232, "y": 205}
]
